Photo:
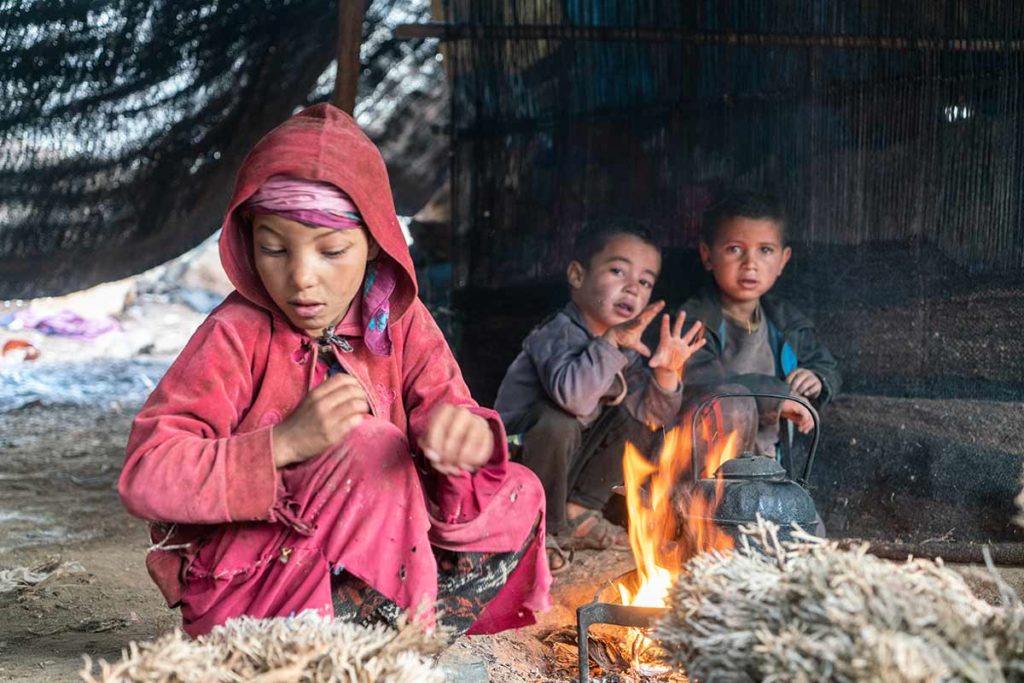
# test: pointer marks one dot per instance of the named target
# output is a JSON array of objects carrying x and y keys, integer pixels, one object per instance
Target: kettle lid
[{"x": 750, "y": 466}]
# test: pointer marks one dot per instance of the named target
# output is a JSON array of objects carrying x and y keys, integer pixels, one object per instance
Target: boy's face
[
  {"x": 312, "y": 274},
  {"x": 746, "y": 258},
  {"x": 617, "y": 283}
]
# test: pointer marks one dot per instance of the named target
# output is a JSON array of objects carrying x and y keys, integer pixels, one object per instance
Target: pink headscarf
[{"x": 324, "y": 205}]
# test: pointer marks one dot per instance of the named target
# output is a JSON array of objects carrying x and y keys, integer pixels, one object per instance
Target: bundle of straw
[
  {"x": 307, "y": 648},
  {"x": 806, "y": 610}
]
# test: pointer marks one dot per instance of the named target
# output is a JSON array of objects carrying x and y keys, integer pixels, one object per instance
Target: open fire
[
  {"x": 669, "y": 520},
  {"x": 676, "y": 513}
]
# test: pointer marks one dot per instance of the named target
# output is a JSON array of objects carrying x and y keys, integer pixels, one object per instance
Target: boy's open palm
[
  {"x": 321, "y": 420},
  {"x": 456, "y": 441},
  {"x": 674, "y": 347},
  {"x": 627, "y": 335}
]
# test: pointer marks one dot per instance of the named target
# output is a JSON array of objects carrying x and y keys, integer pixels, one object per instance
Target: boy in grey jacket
[{"x": 582, "y": 385}]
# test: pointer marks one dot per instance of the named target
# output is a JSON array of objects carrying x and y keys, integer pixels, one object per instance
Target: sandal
[
  {"x": 559, "y": 559},
  {"x": 591, "y": 530}
]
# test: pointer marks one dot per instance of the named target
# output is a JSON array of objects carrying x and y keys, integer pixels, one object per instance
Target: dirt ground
[
  {"x": 912, "y": 469},
  {"x": 59, "y": 468}
]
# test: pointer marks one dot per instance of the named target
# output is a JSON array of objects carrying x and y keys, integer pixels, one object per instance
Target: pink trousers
[{"x": 361, "y": 507}]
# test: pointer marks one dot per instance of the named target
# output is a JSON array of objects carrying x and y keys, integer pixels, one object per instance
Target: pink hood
[{"x": 319, "y": 143}]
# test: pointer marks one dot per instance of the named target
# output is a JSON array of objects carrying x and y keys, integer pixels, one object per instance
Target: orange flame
[{"x": 669, "y": 519}]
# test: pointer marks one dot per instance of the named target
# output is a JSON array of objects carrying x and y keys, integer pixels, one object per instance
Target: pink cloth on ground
[{"x": 67, "y": 323}]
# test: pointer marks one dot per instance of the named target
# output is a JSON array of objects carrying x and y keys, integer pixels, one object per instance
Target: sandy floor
[{"x": 59, "y": 467}]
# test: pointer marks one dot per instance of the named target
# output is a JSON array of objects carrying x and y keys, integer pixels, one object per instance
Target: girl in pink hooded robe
[{"x": 314, "y": 446}]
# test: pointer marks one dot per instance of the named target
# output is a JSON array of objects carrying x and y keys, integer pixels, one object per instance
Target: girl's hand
[
  {"x": 323, "y": 418},
  {"x": 674, "y": 349},
  {"x": 804, "y": 382},
  {"x": 456, "y": 440},
  {"x": 626, "y": 335}
]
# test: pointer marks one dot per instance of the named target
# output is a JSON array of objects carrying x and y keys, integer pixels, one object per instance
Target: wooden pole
[
  {"x": 452, "y": 32},
  {"x": 350, "y": 37},
  {"x": 437, "y": 12}
]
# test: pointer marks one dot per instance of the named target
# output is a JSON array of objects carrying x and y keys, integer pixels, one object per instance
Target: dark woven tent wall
[
  {"x": 122, "y": 123},
  {"x": 867, "y": 116},
  {"x": 893, "y": 132}
]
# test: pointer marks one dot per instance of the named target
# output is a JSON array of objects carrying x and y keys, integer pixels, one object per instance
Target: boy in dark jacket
[
  {"x": 755, "y": 340},
  {"x": 581, "y": 385}
]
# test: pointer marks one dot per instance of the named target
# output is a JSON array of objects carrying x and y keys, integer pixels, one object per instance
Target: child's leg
[
  {"x": 467, "y": 582},
  {"x": 501, "y": 564},
  {"x": 359, "y": 506},
  {"x": 370, "y": 506},
  {"x": 552, "y": 438},
  {"x": 597, "y": 466}
]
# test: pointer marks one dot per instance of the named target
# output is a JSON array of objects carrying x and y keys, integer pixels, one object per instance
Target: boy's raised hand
[
  {"x": 322, "y": 419},
  {"x": 804, "y": 382},
  {"x": 456, "y": 441},
  {"x": 627, "y": 335},
  {"x": 674, "y": 349}
]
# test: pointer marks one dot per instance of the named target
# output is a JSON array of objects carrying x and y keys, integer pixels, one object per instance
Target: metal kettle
[{"x": 753, "y": 485}]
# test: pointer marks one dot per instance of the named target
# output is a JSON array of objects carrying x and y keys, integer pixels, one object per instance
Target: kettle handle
[{"x": 799, "y": 399}]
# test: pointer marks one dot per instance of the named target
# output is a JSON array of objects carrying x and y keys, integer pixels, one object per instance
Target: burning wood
[
  {"x": 807, "y": 610},
  {"x": 615, "y": 655},
  {"x": 679, "y": 509},
  {"x": 668, "y": 524}
]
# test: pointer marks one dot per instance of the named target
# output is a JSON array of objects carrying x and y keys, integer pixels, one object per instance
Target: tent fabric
[
  {"x": 877, "y": 122},
  {"x": 122, "y": 122}
]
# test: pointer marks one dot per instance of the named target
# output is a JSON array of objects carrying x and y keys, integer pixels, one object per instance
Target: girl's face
[{"x": 312, "y": 274}]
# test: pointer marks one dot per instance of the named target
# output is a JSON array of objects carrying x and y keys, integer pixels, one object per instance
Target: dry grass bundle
[
  {"x": 307, "y": 648},
  {"x": 807, "y": 611}
]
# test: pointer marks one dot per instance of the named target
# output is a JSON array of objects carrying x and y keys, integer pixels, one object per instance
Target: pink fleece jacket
[{"x": 199, "y": 462}]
